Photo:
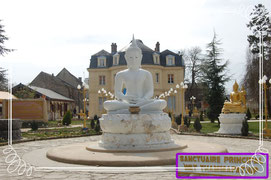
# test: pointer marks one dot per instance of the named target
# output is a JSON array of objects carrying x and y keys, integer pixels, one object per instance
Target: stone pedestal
[
  {"x": 231, "y": 123},
  {"x": 136, "y": 131}
]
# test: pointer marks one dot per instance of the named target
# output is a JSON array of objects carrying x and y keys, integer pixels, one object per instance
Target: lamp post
[
  {"x": 103, "y": 93},
  {"x": 263, "y": 83},
  {"x": 84, "y": 99},
  {"x": 192, "y": 98},
  {"x": 183, "y": 88}
]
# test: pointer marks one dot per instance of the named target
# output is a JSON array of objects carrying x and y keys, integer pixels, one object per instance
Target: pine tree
[
  {"x": 245, "y": 128},
  {"x": 197, "y": 125},
  {"x": 248, "y": 114},
  {"x": 260, "y": 25},
  {"x": 3, "y": 50},
  {"x": 214, "y": 78},
  {"x": 3, "y": 80},
  {"x": 3, "y": 38}
]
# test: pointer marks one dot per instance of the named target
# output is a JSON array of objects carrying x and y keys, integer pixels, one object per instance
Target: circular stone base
[
  {"x": 78, "y": 154},
  {"x": 95, "y": 147}
]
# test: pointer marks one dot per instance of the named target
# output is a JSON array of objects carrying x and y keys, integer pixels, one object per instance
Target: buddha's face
[
  {"x": 235, "y": 87},
  {"x": 133, "y": 58}
]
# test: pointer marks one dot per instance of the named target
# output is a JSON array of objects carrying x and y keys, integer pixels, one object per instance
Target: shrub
[
  {"x": 187, "y": 121},
  {"x": 97, "y": 126},
  {"x": 197, "y": 125},
  {"x": 34, "y": 126},
  {"x": 257, "y": 117},
  {"x": 201, "y": 116},
  {"x": 95, "y": 117},
  {"x": 248, "y": 114},
  {"x": 245, "y": 128},
  {"x": 67, "y": 119},
  {"x": 92, "y": 124},
  {"x": 178, "y": 119}
]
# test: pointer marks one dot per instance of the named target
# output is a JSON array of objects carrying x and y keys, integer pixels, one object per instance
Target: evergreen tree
[
  {"x": 248, "y": 114},
  {"x": 214, "y": 78},
  {"x": 3, "y": 50},
  {"x": 3, "y": 80},
  {"x": 197, "y": 125},
  {"x": 245, "y": 128},
  {"x": 67, "y": 119},
  {"x": 3, "y": 38},
  {"x": 260, "y": 25}
]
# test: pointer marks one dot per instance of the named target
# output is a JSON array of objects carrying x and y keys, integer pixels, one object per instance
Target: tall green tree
[
  {"x": 260, "y": 25},
  {"x": 214, "y": 77},
  {"x": 3, "y": 50},
  {"x": 3, "y": 38},
  {"x": 3, "y": 80}
]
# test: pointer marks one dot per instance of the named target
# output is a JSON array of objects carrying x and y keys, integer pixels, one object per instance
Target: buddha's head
[
  {"x": 133, "y": 56},
  {"x": 235, "y": 87}
]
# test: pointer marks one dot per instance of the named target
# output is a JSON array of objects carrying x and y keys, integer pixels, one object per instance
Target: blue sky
[{"x": 49, "y": 35}]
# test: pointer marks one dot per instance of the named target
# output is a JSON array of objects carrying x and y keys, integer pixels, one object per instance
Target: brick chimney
[
  {"x": 113, "y": 48},
  {"x": 157, "y": 47}
]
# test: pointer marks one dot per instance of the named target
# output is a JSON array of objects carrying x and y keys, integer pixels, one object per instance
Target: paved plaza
[{"x": 68, "y": 171}]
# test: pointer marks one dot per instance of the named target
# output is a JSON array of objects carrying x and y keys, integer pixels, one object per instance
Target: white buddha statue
[{"x": 139, "y": 87}]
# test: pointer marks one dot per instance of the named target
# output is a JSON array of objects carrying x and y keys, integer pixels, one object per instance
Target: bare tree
[{"x": 193, "y": 61}]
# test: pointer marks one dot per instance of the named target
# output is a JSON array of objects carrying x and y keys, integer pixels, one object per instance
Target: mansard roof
[{"x": 147, "y": 58}]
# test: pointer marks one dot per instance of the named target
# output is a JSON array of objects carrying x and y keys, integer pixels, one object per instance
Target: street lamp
[
  {"x": 103, "y": 93},
  {"x": 183, "y": 88},
  {"x": 84, "y": 99},
  {"x": 192, "y": 98},
  {"x": 263, "y": 82}
]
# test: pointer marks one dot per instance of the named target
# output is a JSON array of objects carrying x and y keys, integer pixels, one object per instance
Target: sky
[{"x": 48, "y": 35}]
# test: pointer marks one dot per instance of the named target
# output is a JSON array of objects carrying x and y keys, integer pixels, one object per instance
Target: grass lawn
[
  {"x": 213, "y": 127},
  {"x": 57, "y": 132}
]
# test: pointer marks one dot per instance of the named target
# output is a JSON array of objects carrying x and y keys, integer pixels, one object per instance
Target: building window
[
  {"x": 156, "y": 59},
  {"x": 115, "y": 59},
  {"x": 102, "y": 80},
  {"x": 157, "y": 77},
  {"x": 101, "y": 102},
  {"x": 170, "y": 78},
  {"x": 171, "y": 103},
  {"x": 170, "y": 60},
  {"x": 101, "y": 61}
]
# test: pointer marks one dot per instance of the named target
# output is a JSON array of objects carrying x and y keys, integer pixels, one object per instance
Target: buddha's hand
[{"x": 131, "y": 99}]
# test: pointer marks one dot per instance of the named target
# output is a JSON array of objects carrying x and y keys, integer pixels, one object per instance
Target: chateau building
[{"x": 166, "y": 67}]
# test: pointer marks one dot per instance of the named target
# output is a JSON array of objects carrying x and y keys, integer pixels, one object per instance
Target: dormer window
[
  {"x": 156, "y": 58},
  {"x": 116, "y": 59},
  {"x": 170, "y": 60},
  {"x": 101, "y": 61}
]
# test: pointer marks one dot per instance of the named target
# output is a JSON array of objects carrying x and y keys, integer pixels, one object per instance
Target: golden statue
[
  {"x": 186, "y": 111},
  {"x": 237, "y": 102},
  {"x": 195, "y": 111}
]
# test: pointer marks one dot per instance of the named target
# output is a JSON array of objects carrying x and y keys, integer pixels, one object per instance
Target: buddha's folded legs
[
  {"x": 148, "y": 105},
  {"x": 156, "y": 105},
  {"x": 114, "y": 105}
]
